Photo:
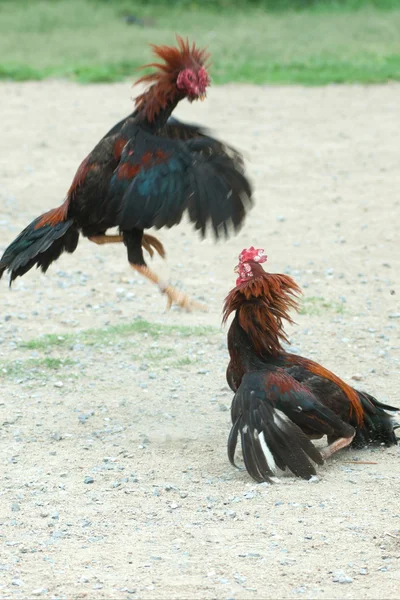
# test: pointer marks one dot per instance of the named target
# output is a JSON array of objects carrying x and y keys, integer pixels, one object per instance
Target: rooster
[
  {"x": 283, "y": 400},
  {"x": 147, "y": 171}
]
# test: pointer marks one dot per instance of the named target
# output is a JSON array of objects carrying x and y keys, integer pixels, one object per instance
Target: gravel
[{"x": 116, "y": 457}]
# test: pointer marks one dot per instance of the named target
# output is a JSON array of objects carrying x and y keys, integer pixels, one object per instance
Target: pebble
[
  {"x": 58, "y": 384},
  {"x": 340, "y": 577},
  {"x": 88, "y": 480},
  {"x": 15, "y": 507},
  {"x": 357, "y": 377},
  {"x": 39, "y": 592}
]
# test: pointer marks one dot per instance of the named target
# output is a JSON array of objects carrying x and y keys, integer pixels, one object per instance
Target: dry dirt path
[{"x": 143, "y": 418}]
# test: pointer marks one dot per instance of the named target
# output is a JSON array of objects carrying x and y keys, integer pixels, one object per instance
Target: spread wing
[
  {"x": 177, "y": 130},
  {"x": 158, "y": 179}
]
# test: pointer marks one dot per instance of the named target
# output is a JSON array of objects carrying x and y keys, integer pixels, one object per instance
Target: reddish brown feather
[
  {"x": 54, "y": 216},
  {"x": 284, "y": 383},
  {"x": 262, "y": 320},
  {"x": 127, "y": 171},
  {"x": 317, "y": 369},
  {"x": 118, "y": 147},
  {"x": 149, "y": 159},
  {"x": 162, "y": 82}
]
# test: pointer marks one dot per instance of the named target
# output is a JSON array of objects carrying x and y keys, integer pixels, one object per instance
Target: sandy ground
[{"x": 144, "y": 420}]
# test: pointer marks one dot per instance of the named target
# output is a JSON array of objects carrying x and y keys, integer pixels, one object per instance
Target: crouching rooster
[
  {"x": 282, "y": 400},
  {"x": 147, "y": 171}
]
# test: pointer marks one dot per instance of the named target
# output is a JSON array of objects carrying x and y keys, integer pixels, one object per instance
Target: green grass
[
  {"x": 33, "y": 367},
  {"x": 183, "y": 362},
  {"x": 90, "y": 42},
  {"x": 91, "y": 337},
  {"x": 316, "y": 306}
]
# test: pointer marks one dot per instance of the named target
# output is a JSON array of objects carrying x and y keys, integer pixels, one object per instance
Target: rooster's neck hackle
[
  {"x": 162, "y": 95},
  {"x": 261, "y": 305}
]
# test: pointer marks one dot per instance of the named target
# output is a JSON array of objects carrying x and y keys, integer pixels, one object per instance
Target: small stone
[
  {"x": 342, "y": 578},
  {"x": 88, "y": 480},
  {"x": 394, "y": 316},
  {"x": 314, "y": 479},
  {"x": 39, "y": 592},
  {"x": 58, "y": 384},
  {"x": 357, "y": 377},
  {"x": 15, "y": 507},
  {"x": 17, "y": 582}
]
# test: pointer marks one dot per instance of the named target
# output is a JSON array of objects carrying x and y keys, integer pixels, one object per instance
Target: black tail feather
[
  {"x": 378, "y": 427},
  {"x": 269, "y": 439},
  {"x": 38, "y": 246}
]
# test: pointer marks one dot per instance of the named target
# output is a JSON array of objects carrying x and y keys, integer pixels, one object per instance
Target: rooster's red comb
[{"x": 255, "y": 254}]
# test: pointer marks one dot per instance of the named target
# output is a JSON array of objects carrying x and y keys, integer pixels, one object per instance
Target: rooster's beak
[
  {"x": 202, "y": 97},
  {"x": 236, "y": 269}
]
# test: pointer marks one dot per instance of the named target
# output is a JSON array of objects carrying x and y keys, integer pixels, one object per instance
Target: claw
[
  {"x": 176, "y": 297},
  {"x": 151, "y": 243}
]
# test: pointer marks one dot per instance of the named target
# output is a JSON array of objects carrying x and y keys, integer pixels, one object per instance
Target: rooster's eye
[{"x": 190, "y": 77}]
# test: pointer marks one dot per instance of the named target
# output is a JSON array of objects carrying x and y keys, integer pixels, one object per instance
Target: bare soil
[{"x": 115, "y": 481}]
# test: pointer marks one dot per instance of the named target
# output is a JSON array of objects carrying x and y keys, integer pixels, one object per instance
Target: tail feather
[
  {"x": 38, "y": 244},
  {"x": 269, "y": 439},
  {"x": 378, "y": 426}
]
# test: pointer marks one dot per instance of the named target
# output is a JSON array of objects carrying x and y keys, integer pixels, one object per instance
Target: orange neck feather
[
  {"x": 162, "y": 92},
  {"x": 262, "y": 304}
]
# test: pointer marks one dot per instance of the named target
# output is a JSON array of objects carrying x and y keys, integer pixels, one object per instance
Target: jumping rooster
[
  {"x": 145, "y": 172},
  {"x": 283, "y": 400}
]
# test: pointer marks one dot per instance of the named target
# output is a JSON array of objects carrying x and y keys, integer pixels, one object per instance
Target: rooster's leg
[
  {"x": 174, "y": 296},
  {"x": 148, "y": 242},
  {"x": 342, "y": 442},
  {"x": 106, "y": 239}
]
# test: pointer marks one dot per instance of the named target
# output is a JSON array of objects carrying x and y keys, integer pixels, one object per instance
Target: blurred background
[{"x": 255, "y": 41}]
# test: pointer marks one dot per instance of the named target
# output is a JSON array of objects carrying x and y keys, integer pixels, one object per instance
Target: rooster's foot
[
  {"x": 180, "y": 298},
  {"x": 335, "y": 446},
  {"x": 174, "y": 296}
]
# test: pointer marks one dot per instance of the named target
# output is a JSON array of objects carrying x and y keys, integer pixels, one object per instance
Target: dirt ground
[{"x": 115, "y": 481}]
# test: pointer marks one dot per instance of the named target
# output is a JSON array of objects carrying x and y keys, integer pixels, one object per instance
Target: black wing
[
  {"x": 158, "y": 179},
  {"x": 269, "y": 438}
]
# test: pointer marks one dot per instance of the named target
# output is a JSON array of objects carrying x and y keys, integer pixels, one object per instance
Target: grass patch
[
  {"x": 33, "y": 367},
  {"x": 316, "y": 305},
  {"x": 91, "y": 42},
  {"x": 184, "y": 362},
  {"x": 91, "y": 337},
  {"x": 158, "y": 354}
]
